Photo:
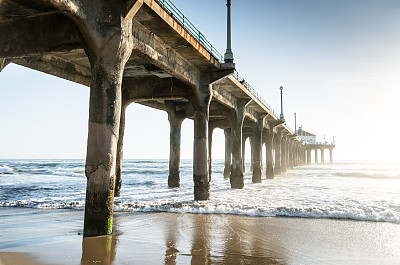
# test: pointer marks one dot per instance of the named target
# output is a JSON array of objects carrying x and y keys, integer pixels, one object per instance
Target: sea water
[{"x": 368, "y": 191}]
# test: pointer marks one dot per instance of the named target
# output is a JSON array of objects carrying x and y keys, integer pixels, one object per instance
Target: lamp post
[
  {"x": 228, "y": 56},
  {"x": 295, "y": 125},
  {"x": 281, "y": 116}
]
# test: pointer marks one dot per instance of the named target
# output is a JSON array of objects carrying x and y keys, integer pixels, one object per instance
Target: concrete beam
[
  {"x": 148, "y": 45},
  {"x": 3, "y": 63},
  {"x": 31, "y": 36},
  {"x": 251, "y": 114},
  {"x": 223, "y": 96},
  {"x": 132, "y": 8},
  {"x": 149, "y": 88},
  {"x": 58, "y": 67}
]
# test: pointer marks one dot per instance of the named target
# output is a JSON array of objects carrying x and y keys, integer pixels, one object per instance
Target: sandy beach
[{"x": 32, "y": 236}]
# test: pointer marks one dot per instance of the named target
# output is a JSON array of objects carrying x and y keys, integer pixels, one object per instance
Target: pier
[{"x": 148, "y": 52}]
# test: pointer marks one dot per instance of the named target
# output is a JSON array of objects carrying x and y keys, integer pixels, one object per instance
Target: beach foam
[{"x": 367, "y": 192}]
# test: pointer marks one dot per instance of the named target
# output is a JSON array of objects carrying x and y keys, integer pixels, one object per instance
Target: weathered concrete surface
[
  {"x": 201, "y": 102},
  {"x": 176, "y": 115},
  {"x": 256, "y": 150},
  {"x": 244, "y": 139},
  {"x": 237, "y": 118},
  {"x": 283, "y": 151},
  {"x": 104, "y": 43},
  {"x": 21, "y": 37},
  {"x": 269, "y": 152},
  {"x": 269, "y": 134},
  {"x": 277, "y": 144},
  {"x": 228, "y": 153},
  {"x": 322, "y": 156},
  {"x": 3, "y": 63},
  {"x": 212, "y": 125},
  {"x": 118, "y": 166},
  {"x": 108, "y": 45}
]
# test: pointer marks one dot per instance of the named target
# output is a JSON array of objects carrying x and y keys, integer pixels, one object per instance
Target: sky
[{"x": 338, "y": 61}]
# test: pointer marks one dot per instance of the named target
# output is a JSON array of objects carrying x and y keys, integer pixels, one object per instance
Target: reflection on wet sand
[
  {"x": 200, "y": 241},
  {"x": 100, "y": 249},
  {"x": 171, "y": 243},
  {"x": 215, "y": 239}
]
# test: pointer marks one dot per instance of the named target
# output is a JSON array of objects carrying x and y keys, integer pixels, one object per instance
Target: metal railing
[
  {"x": 290, "y": 129},
  {"x": 188, "y": 25},
  {"x": 240, "y": 78}
]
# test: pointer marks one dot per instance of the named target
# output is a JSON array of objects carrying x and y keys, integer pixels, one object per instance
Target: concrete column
[
  {"x": 308, "y": 156},
  {"x": 292, "y": 154},
  {"x": 210, "y": 136},
  {"x": 261, "y": 153},
  {"x": 251, "y": 153},
  {"x": 288, "y": 152},
  {"x": 228, "y": 153},
  {"x": 118, "y": 167},
  {"x": 237, "y": 118},
  {"x": 3, "y": 63},
  {"x": 175, "y": 117},
  {"x": 295, "y": 154},
  {"x": 331, "y": 155},
  {"x": 256, "y": 150},
  {"x": 322, "y": 156},
  {"x": 244, "y": 138},
  {"x": 108, "y": 49},
  {"x": 283, "y": 152},
  {"x": 316, "y": 156},
  {"x": 200, "y": 146},
  {"x": 269, "y": 153},
  {"x": 277, "y": 143}
]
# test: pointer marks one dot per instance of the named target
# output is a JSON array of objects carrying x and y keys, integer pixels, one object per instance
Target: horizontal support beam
[
  {"x": 149, "y": 88},
  {"x": 148, "y": 45},
  {"x": 224, "y": 97},
  {"x": 31, "y": 36},
  {"x": 58, "y": 67}
]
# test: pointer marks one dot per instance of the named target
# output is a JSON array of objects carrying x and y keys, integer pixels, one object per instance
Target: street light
[
  {"x": 295, "y": 125},
  {"x": 228, "y": 56},
  {"x": 281, "y": 117}
]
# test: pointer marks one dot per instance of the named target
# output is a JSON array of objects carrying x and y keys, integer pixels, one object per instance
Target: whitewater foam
[{"x": 366, "y": 192}]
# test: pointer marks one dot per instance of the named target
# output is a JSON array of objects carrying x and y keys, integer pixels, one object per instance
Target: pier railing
[{"x": 188, "y": 25}]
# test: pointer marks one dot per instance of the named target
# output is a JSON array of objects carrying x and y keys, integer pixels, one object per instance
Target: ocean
[{"x": 354, "y": 190}]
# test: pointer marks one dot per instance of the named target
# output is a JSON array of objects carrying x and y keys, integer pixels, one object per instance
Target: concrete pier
[
  {"x": 244, "y": 139},
  {"x": 107, "y": 56},
  {"x": 200, "y": 145},
  {"x": 237, "y": 117},
  {"x": 322, "y": 156},
  {"x": 308, "y": 156},
  {"x": 256, "y": 149},
  {"x": 118, "y": 167},
  {"x": 319, "y": 147},
  {"x": 277, "y": 143},
  {"x": 176, "y": 115},
  {"x": 283, "y": 152},
  {"x": 211, "y": 128},
  {"x": 228, "y": 153},
  {"x": 269, "y": 135},
  {"x": 140, "y": 52},
  {"x": 269, "y": 153}
]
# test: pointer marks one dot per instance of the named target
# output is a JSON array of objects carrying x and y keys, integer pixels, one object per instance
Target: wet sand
[{"x": 31, "y": 236}]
